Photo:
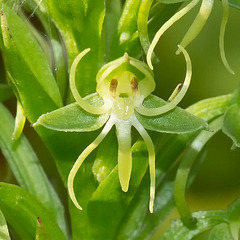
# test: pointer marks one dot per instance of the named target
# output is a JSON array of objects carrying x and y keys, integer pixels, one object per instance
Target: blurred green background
[{"x": 218, "y": 182}]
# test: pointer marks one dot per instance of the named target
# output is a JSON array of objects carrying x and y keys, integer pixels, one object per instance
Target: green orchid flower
[{"x": 123, "y": 98}]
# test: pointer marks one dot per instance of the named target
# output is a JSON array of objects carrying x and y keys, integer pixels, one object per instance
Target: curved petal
[
  {"x": 157, "y": 111},
  {"x": 225, "y": 6},
  {"x": 86, "y": 106},
  {"x": 165, "y": 27},
  {"x": 83, "y": 156}
]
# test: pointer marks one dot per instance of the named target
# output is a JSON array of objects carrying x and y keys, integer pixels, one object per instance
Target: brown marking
[
  {"x": 113, "y": 87},
  {"x": 134, "y": 84}
]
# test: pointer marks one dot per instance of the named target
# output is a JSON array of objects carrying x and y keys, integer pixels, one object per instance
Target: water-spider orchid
[
  {"x": 195, "y": 28},
  {"x": 123, "y": 99}
]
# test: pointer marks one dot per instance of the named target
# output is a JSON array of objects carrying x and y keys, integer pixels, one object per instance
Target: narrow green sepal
[
  {"x": 175, "y": 121},
  {"x": 72, "y": 118}
]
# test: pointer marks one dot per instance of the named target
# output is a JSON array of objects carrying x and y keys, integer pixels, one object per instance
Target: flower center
[{"x": 123, "y": 91}]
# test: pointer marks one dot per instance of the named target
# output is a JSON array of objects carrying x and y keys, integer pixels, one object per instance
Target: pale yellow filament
[
  {"x": 151, "y": 157},
  {"x": 160, "y": 110},
  {"x": 225, "y": 5},
  {"x": 198, "y": 23},
  {"x": 86, "y": 106},
  {"x": 167, "y": 25},
  {"x": 82, "y": 157}
]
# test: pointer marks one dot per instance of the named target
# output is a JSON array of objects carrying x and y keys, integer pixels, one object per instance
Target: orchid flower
[{"x": 122, "y": 99}]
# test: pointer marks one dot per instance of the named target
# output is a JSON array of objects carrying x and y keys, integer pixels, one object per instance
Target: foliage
[{"x": 37, "y": 57}]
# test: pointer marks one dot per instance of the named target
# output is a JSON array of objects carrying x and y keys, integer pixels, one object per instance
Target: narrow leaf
[
  {"x": 174, "y": 121},
  {"x": 71, "y": 19},
  {"x": 126, "y": 37},
  {"x": 22, "y": 39},
  {"x": 21, "y": 210},
  {"x": 185, "y": 167},
  {"x": 113, "y": 12},
  {"x": 4, "y": 234},
  {"x": 27, "y": 168}
]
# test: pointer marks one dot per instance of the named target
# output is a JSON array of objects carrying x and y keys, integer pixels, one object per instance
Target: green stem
[{"x": 185, "y": 167}]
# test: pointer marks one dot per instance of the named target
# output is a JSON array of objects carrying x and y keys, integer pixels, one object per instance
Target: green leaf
[
  {"x": 206, "y": 220},
  {"x": 235, "y": 3},
  {"x": 174, "y": 121},
  {"x": 221, "y": 231},
  {"x": 5, "y": 92},
  {"x": 21, "y": 39},
  {"x": 41, "y": 231},
  {"x": 27, "y": 168},
  {"x": 185, "y": 167},
  {"x": 231, "y": 126},
  {"x": 126, "y": 37},
  {"x": 113, "y": 12},
  {"x": 21, "y": 210},
  {"x": 73, "y": 118},
  {"x": 71, "y": 18},
  {"x": 28, "y": 68},
  {"x": 4, "y": 234},
  {"x": 212, "y": 107}
]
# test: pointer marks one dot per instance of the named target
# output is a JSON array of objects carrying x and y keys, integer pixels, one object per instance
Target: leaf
[
  {"x": 206, "y": 220},
  {"x": 113, "y": 12},
  {"x": 212, "y": 107},
  {"x": 71, "y": 18},
  {"x": 27, "y": 68},
  {"x": 174, "y": 121},
  {"x": 5, "y": 92},
  {"x": 185, "y": 166},
  {"x": 235, "y": 3},
  {"x": 231, "y": 126},
  {"x": 4, "y": 234},
  {"x": 41, "y": 231},
  {"x": 221, "y": 231},
  {"x": 73, "y": 118},
  {"x": 126, "y": 37},
  {"x": 20, "y": 38},
  {"x": 27, "y": 168},
  {"x": 21, "y": 210}
]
